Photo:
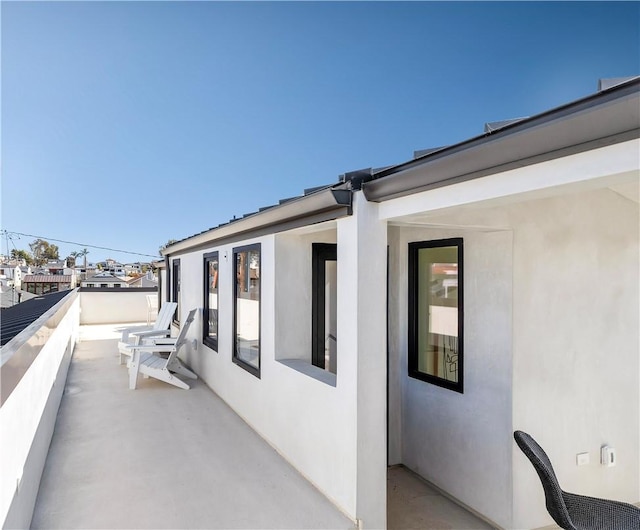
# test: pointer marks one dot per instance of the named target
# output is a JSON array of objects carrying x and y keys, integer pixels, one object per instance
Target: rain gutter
[
  {"x": 324, "y": 205},
  {"x": 605, "y": 118}
]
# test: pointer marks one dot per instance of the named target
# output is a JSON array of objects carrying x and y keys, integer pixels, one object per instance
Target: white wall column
[{"x": 362, "y": 280}]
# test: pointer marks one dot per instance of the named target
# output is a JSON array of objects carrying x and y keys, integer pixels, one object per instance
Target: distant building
[
  {"x": 146, "y": 280},
  {"x": 84, "y": 272},
  {"x": 112, "y": 266},
  {"x": 104, "y": 280},
  {"x": 12, "y": 273},
  {"x": 56, "y": 266},
  {"x": 133, "y": 268},
  {"x": 47, "y": 283}
]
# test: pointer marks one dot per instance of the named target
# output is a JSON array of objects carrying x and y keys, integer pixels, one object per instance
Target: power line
[{"x": 8, "y": 233}]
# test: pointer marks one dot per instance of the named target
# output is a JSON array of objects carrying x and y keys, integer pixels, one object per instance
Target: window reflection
[
  {"x": 247, "y": 307},
  {"x": 211, "y": 300},
  {"x": 435, "y": 312}
]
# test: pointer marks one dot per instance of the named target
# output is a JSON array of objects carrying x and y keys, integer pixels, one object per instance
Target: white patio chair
[
  {"x": 146, "y": 359},
  {"x": 136, "y": 335}
]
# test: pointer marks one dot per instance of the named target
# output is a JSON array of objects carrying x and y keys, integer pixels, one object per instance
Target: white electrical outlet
[
  {"x": 608, "y": 456},
  {"x": 582, "y": 459}
]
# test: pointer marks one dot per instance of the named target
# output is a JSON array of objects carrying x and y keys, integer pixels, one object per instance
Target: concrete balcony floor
[{"x": 161, "y": 457}]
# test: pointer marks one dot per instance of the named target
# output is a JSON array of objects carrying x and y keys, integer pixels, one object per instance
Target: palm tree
[
  {"x": 71, "y": 259},
  {"x": 83, "y": 254}
]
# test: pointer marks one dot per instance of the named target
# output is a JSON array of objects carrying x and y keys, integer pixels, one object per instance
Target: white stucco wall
[
  {"x": 334, "y": 435},
  {"x": 294, "y": 290},
  {"x": 114, "y": 307},
  {"x": 460, "y": 442},
  {"x": 576, "y": 345},
  {"x": 575, "y": 349},
  {"x": 362, "y": 300},
  {"x": 312, "y": 424}
]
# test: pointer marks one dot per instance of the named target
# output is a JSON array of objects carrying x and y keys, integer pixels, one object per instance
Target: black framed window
[
  {"x": 210, "y": 328},
  {"x": 436, "y": 312},
  {"x": 246, "y": 308},
  {"x": 175, "y": 289},
  {"x": 324, "y": 342}
]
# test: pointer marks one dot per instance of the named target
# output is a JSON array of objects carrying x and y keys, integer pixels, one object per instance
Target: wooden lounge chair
[
  {"x": 136, "y": 335},
  {"x": 146, "y": 359}
]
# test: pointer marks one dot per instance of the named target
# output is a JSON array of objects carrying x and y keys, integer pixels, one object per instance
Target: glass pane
[
  {"x": 176, "y": 289},
  {"x": 248, "y": 306},
  {"x": 330, "y": 315},
  {"x": 213, "y": 298},
  {"x": 438, "y": 312}
]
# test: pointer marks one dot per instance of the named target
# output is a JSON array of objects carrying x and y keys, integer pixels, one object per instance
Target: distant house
[
  {"x": 47, "y": 283},
  {"x": 146, "y": 280},
  {"x": 12, "y": 273},
  {"x": 83, "y": 272},
  {"x": 104, "y": 280},
  {"x": 112, "y": 266},
  {"x": 58, "y": 266},
  {"x": 135, "y": 268}
]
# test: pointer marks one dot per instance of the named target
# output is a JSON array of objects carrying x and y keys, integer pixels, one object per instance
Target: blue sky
[{"x": 127, "y": 124}]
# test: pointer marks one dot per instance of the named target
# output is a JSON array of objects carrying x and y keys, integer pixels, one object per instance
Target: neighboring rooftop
[
  {"x": 16, "y": 318},
  {"x": 47, "y": 278},
  {"x": 104, "y": 278}
]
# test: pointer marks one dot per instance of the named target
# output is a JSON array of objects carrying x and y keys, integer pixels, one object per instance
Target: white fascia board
[{"x": 622, "y": 159}]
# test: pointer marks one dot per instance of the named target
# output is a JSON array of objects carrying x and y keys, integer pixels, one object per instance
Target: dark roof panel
[
  {"x": 17, "y": 318},
  {"x": 47, "y": 278},
  {"x": 307, "y": 192}
]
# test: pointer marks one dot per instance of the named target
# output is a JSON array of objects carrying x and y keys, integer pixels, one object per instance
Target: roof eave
[
  {"x": 335, "y": 202},
  {"x": 551, "y": 134}
]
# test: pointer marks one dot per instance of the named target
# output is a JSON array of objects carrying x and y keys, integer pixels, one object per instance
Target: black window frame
[
  {"x": 160, "y": 291},
  {"x": 206, "y": 338},
  {"x": 413, "y": 354},
  {"x": 175, "y": 288},
  {"x": 243, "y": 364},
  {"x": 320, "y": 254}
]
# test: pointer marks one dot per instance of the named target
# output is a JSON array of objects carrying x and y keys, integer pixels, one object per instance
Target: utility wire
[{"x": 8, "y": 233}]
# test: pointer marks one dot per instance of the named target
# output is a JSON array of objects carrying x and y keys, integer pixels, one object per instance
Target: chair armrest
[
  {"x": 165, "y": 342},
  {"x": 152, "y": 333},
  {"x": 130, "y": 331},
  {"x": 153, "y": 348}
]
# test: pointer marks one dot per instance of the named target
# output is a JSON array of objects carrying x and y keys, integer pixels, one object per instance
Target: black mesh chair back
[
  {"x": 571, "y": 511},
  {"x": 552, "y": 490}
]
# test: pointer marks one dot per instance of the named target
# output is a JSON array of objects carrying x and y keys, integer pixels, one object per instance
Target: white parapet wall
[
  {"x": 28, "y": 414},
  {"x": 109, "y": 306}
]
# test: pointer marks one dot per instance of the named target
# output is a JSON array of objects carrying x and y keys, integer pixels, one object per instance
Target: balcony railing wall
[
  {"x": 114, "y": 305},
  {"x": 34, "y": 370}
]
